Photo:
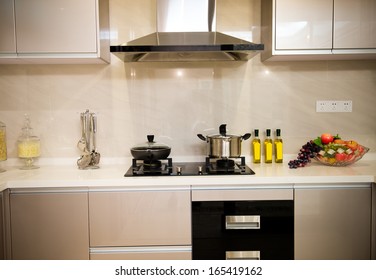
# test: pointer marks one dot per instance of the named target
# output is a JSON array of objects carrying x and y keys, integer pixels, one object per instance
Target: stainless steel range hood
[{"x": 186, "y": 32}]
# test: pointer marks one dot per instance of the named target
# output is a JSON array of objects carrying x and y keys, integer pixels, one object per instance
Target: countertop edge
[{"x": 112, "y": 176}]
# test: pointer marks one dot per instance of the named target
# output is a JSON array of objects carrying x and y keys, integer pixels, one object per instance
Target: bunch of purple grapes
[{"x": 306, "y": 153}]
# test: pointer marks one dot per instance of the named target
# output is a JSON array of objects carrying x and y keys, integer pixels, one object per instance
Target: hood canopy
[{"x": 185, "y": 33}]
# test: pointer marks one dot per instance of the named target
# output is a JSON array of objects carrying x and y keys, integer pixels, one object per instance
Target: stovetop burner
[
  {"x": 211, "y": 166},
  {"x": 150, "y": 167}
]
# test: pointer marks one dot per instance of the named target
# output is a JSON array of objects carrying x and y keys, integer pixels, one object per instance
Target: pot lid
[
  {"x": 150, "y": 145},
  {"x": 223, "y": 134}
]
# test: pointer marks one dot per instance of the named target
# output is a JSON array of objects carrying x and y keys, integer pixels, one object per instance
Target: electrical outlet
[
  {"x": 333, "y": 106},
  {"x": 347, "y": 106}
]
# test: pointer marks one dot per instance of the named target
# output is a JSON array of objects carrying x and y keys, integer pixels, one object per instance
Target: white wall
[{"x": 175, "y": 101}]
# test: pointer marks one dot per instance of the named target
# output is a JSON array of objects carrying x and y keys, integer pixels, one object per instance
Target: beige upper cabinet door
[
  {"x": 303, "y": 25},
  {"x": 7, "y": 27},
  {"x": 55, "y": 26},
  {"x": 354, "y": 24}
]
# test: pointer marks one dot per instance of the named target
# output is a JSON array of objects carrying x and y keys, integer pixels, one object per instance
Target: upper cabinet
[
  {"x": 7, "y": 28},
  {"x": 54, "y": 31},
  {"x": 318, "y": 29},
  {"x": 299, "y": 26},
  {"x": 354, "y": 24}
]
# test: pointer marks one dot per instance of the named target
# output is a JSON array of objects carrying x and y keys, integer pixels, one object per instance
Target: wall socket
[{"x": 334, "y": 106}]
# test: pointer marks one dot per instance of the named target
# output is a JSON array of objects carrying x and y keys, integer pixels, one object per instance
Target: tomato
[
  {"x": 326, "y": 138},
  {"x": 360, "y": 149},
  {"x": 341, "y": 157},
  {"x": 350, "y": 157}
]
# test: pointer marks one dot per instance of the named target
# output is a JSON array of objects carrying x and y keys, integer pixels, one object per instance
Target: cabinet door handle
[
  {"x": 242, "y": 255},
  {"x": 243, "y": 222}
]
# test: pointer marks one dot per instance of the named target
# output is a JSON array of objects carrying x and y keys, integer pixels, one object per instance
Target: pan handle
[
  {"x": 202, "y": 137},
  {"x": 246, "y": 136}
]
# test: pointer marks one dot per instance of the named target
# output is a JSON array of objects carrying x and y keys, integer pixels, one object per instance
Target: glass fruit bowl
[{"x": 341, "y": 154}]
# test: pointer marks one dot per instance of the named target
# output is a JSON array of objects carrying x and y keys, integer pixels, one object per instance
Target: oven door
[{"x": 243, "y": 230}]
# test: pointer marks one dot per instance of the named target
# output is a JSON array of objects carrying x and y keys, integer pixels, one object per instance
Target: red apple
[{"x": 326, "y": 138}]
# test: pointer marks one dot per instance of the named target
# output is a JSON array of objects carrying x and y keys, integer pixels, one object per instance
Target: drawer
[
  {"x": 142, "y": 253},
  {"x": 140, "y": 218},
  {"x": 243, "y": 229},
  {"x": 212, "y": 219}
]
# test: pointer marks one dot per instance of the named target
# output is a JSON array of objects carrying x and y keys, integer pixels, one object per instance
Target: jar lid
[{"x": 26, "y": 130}]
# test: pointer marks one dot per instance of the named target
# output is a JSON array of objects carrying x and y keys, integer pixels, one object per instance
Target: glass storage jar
[{"x": 28, "y": 146}]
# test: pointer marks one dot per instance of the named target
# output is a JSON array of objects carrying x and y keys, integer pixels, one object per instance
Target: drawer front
[
  {"x": 142, "y": 253},
  {"x": 243, "y": 229},
  {"x": 146, "y": 218}
]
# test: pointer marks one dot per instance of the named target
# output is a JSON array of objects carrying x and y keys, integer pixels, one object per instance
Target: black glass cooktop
[{"x": 169, "y": 168}]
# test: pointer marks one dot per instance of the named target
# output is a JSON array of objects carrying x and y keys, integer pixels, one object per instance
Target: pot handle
[
  {"x": 150, "y": 138},
  {"x": 202, "y": 137},
  {"x": 222, "y": 129},
  {"x": 246, "y": 136}
]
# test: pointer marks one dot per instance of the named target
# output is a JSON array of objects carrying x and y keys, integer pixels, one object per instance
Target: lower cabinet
[
  {"x": 243, "y": 222},
  {"x": 49, "y": 224},
  {"x": 373, "y": 232},
  {"x": 330, "y": 221},
  {"x": 333, "y": 222},
  {"x": 2, "y": 254},
  {"x": 140, "y": 223}
]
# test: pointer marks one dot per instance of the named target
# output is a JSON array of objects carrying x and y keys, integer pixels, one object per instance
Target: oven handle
[
  {"x": 243, "y": 222},
  {"x": 243, "y": 255}
]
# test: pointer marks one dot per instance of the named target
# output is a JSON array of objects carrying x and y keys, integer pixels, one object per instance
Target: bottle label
[
  {"x": 278, "y": 152},
  {"x": 256, "y": 152},
  {"x": 268, "y": 152}
]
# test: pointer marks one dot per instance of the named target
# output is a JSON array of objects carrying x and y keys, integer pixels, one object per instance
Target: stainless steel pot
[
  {"x": 224, "y": 145},
  {"x": 150, "y": 150}
]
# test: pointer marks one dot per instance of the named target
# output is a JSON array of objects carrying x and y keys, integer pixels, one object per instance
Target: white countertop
[{"x": 112, "y": 175}]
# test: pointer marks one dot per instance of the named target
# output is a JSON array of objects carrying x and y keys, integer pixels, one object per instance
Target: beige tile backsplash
[{"x": 175, "y": 101}]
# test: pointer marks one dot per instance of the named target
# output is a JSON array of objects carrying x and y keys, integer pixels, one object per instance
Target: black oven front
[{"x": 243, "y": 230}]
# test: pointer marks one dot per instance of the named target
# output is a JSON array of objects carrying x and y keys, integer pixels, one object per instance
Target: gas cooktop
[{"x": 166, "y": 167}]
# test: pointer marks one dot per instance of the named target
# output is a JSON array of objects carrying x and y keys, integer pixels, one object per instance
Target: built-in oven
[{"x": 243, "y": 229}]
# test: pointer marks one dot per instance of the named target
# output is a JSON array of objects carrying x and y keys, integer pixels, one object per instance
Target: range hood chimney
[{"x": 186, "y": 32}]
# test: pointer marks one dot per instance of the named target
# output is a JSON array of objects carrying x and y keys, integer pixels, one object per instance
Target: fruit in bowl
[
  {"x": 329, "y": 150},
  {"x": 341, "y": 154}
]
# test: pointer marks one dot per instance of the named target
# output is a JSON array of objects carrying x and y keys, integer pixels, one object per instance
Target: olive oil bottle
[
  {"x": 278, "y": 147},
  {"x": 256, "y": 147},
  {"x": 268, "y": 148}
]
